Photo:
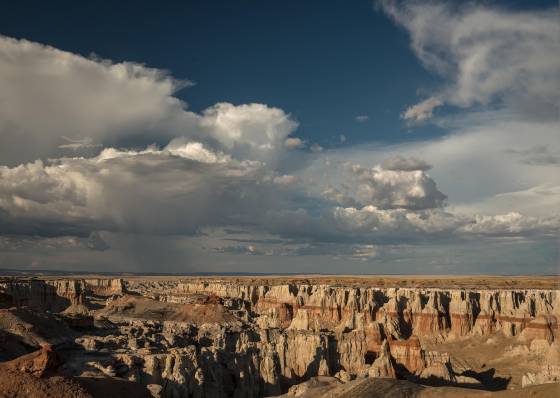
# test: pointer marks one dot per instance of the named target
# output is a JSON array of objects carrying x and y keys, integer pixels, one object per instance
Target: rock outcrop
[
  {"x": 383, "y": 366},
  {"x": 38, "y": 363}
]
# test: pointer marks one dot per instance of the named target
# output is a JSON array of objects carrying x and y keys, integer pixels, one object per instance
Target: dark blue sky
[{"x": 324, "y": 62}]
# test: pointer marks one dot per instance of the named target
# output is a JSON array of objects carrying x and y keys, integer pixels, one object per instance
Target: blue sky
[
  {"x": 325, "y": 63},
  {"x": 419, "y": 137}
]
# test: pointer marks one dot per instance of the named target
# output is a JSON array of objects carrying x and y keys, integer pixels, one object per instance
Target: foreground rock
[{"x": 34, "y": 376}]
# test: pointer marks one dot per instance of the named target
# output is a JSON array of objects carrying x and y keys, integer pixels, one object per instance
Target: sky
[{"x": 270, "y": 137}]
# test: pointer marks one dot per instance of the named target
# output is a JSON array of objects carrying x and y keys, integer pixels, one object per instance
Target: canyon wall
[
  {"x": 396, "y": 312},
  {"x": 254, "y": 338},
  {"x": 315, "y": 330}
]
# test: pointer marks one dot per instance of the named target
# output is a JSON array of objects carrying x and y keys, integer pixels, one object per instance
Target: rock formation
[
  {"x": 383, "y": 366},
  {"x": 257, "y": 337}
]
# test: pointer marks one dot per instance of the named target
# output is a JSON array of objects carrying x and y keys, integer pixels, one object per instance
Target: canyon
[{"x": 306, "y": 336}]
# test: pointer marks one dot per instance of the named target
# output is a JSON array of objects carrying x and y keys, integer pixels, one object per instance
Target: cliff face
[
  {"x": 55, "y": 295},
  {"x": 104, "y": 287},
  {"x": 398, "y": 312}
]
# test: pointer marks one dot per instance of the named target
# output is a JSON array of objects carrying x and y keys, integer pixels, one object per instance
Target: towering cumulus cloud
[{"x": 52, "y": 97}]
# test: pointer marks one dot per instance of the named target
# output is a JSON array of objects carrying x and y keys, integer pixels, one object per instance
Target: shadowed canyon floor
[{"x": 306, "y": 336}]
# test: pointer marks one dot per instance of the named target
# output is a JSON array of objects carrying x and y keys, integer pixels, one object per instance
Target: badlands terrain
[{"x": 304, "y": 336}]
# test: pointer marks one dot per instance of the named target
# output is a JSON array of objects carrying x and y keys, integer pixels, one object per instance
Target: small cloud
[
  {"x": 316, "y": 148},
  {"x": 284, "y": 180},
  {"x": 294, "y": 143},
  {"x": 342, "y": 138},
  {"x": 422, "y": 111},
  {"x": 362, "y": 118}
]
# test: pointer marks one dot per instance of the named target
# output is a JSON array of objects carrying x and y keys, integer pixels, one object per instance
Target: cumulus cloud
[
  {"x": 231, "y": 166},
  {"x": 50, "y": 95},
  {"x": 371, "y": 220},
  {"x": 177, "y": 189},
  {"x": 487, "y": 54},
  {"x": 512, "y": 224},
  {"x": 195, "y": 151},
  {"x": 248, "y": 131},
  {"x": 370, "y": 224},
  {"x": 396, "y": 188},
  {"x": 416, "y": 225}
]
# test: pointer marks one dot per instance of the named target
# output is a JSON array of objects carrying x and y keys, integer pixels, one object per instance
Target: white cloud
[
  {"x": 471, "y": 165},
  {"x": 231, "y": 166},
  {"x": 395, "y": 188},
  {"x": 49, "y": 95},
  {"x": 175, "y": 190},
  {"x": 423, "y": 110},
  {"x": 251, "y": 130},
  {"x": 370, "y": 220},
  {"x": 401, "y": 223},
  {"x": 294, "y": 143},
  {"x": 195, "y": 151},
  {"x": 362, "y": 118},
  {"x": 487, "y": 54}
]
